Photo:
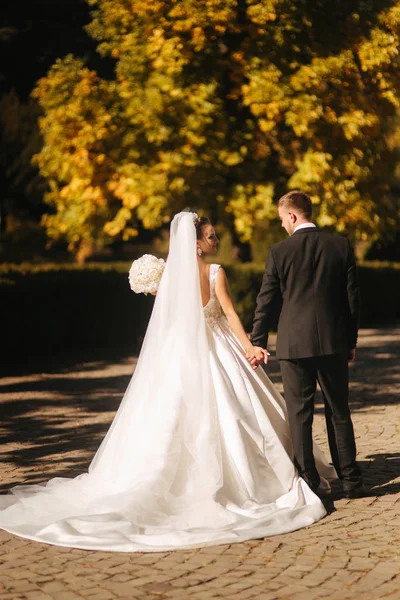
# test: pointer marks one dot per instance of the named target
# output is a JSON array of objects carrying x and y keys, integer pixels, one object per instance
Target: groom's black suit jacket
[{"x": 310, "y": 281}]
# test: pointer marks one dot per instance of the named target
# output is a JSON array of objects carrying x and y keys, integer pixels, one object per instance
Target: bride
[{"x": 199, "y": 452}]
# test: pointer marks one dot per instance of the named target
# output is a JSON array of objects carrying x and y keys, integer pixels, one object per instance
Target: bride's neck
[{"x": 201, "y": 262}]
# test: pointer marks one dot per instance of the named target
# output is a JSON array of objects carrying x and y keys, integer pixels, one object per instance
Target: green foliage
[
  {"x": 50, "y": 309},
  {"x": 379, "y": 287},
  {"x": 224, "y": 106},
  {"x": 95, "y": 307},
  {"x": 22, "y": 187}
]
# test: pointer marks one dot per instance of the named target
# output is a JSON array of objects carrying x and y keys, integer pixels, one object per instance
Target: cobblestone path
[{"x": 52, "y": 423}]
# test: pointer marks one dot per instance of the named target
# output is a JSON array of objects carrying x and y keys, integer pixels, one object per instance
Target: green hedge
[
  {"x": 48, "y": 309},
  {"x": 379, "y": 285}
]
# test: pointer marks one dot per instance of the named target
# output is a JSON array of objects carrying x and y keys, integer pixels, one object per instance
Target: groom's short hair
[{"x": 297, "y": 200}]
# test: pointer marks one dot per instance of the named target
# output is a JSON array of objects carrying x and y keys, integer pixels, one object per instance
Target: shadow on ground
[
  {"x": 379, "y": 475},
  {"x": 57, "y": 408},
  {"x": 56, "y": 412}
]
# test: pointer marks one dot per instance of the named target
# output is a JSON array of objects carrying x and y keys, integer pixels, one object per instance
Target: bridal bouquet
[{"x": 145, "y": 274}]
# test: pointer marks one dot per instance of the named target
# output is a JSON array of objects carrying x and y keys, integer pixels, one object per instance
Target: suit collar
[{"x": 306, "y": 230}]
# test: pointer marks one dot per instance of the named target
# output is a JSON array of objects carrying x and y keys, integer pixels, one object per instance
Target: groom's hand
[
  {"x": 256, "y": 356},
  {"x": 351, "y": 355}
]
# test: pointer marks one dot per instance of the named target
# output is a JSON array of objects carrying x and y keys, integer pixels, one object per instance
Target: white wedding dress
[{"x": 199, "y": 452}]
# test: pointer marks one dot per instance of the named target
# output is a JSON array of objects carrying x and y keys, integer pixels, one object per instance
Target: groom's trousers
[{"x": 300, "y": 378}]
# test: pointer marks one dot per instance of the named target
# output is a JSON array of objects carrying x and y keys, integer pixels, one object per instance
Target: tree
[
  {"x": 224, "y": 106},
  {"x": 24, "y": 38},
  {"x": 21, "y": 186}
]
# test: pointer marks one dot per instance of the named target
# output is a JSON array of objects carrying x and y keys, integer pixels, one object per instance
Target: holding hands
[{"x": 256, "y": 355}]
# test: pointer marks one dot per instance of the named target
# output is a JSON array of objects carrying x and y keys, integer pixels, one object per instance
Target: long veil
[
  {"x": 158, "y": 468},
  {"x": 170, "y": 387}
]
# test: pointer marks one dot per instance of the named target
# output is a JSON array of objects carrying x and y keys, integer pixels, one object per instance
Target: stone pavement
[{"x": 52, "y": 423}]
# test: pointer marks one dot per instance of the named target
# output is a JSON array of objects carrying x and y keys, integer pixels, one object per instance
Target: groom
[{"x": 310, "y": 281}]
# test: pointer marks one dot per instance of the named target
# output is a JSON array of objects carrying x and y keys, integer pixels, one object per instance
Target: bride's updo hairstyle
[{"x": 199, "y": 224}]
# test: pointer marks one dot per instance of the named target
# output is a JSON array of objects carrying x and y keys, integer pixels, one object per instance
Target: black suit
[{"x": 310, "y": 281}]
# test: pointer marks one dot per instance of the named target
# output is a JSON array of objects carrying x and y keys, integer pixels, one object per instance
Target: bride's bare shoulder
[{"x": 220, "y": 276}]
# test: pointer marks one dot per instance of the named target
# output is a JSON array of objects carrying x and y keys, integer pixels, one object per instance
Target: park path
[{"x": 52, "y": 422}]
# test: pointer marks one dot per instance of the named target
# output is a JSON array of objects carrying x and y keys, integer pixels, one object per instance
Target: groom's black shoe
[
  {"x": 326, "y": 497},
  {"x": 357, "y": 490},
  {"x": 323, "y": 493}
]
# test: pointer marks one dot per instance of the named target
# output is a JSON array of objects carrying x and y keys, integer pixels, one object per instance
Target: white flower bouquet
[{"x": 145, "y": 274}]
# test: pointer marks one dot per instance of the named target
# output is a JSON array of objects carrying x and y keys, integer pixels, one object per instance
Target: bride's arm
[{"x": 226, "y": 302}]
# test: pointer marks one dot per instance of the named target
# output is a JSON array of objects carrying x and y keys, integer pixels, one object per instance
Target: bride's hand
[{"x": 256, "y": 355}]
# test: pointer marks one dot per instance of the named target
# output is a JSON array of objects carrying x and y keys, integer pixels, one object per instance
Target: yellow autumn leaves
[{"x": 223, "y": 107}]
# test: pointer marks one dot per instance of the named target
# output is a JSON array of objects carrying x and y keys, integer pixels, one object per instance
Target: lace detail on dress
[{"x": 212, "y": 310}]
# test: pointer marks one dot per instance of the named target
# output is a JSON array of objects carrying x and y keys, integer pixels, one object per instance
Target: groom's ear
[{"x": 293, "y": 216}]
